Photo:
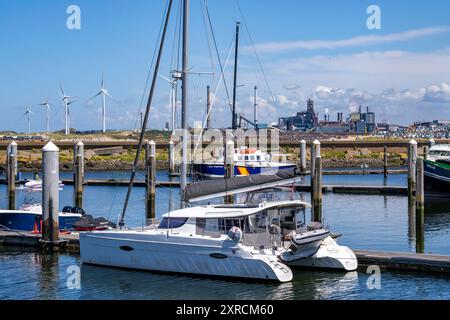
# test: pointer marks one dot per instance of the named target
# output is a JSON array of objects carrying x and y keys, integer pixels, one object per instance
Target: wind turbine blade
[
  {"x": 102, "y": 82},
  {"x": 95, "y": 96},
  {"x": 61, "y": 88},
  {"x": 168, "y": 80}
]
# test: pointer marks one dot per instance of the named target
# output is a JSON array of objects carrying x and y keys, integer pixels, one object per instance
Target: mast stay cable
[{"x": 147, "y": 112}]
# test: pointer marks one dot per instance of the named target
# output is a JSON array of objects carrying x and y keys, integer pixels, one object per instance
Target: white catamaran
[{"x": 250, "y": 241}]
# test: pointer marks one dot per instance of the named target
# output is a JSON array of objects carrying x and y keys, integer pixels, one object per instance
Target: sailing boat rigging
[{"x": 238, "y": 241}]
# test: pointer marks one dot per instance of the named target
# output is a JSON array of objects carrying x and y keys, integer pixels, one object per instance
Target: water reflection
[
  {"x": 48, "y": 275},
  {"x": 121, "y": 284}
]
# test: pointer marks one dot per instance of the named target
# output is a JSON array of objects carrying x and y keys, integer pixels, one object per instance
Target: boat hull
[
  {"x": 436, "y": 178},
  {"x": 29, "y": 221},
  {"x": 179, "y": 255},
  {"x": 211, "y": 170}
]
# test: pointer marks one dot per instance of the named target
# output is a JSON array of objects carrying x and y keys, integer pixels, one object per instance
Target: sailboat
[
  {"x": 179, "y": 245},
  {"x": 246, "y": 241}
]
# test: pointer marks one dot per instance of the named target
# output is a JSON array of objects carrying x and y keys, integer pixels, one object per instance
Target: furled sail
[{"x": 223, "y": 187}]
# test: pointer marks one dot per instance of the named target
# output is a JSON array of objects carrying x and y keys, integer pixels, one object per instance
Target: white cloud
[
  {"x": 368, "y": 70},
  {"x": 277, "y": 47},
  {"x": 437, "y": 93}
]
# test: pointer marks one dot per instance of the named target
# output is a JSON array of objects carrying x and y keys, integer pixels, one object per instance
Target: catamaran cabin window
[
  {"x": 252, "y": 158},
  {"x": 172, "y": 223},
  {"x": 246, "y": 158},
  {"x": 258, "y": 158}
]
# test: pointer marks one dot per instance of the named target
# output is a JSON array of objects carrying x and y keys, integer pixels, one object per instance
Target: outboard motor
[
  {"x": 67, "y": 209},
  {"x": 78, "y": 210}
]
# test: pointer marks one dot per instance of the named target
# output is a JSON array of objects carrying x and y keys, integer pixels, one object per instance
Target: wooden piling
[
  {"x": 431, "y": 143},
  {"x": 12, "y": 149},
  {"x": 303, "y": 156},
  {"x": 78, "y": 175},
  {"x": 150, "y": 155},
  {"x": 420, "y": 206},
  {"x": 385, "y": 162},
  {"x": 50, "y": 194},
  {"x": 425, "y": 152},
  {"x": 11, "y": 182},
  {"x": 229, "y": 166},
  {"x": 412, "y": 160},
  {"x": 315, "y": 152},
  {"x": 317, "y": 190}
]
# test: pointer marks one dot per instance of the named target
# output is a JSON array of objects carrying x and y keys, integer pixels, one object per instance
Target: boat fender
[{"x": 235, "y": 234}]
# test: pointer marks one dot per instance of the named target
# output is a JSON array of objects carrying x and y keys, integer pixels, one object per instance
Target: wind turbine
[
  {"x": 104, "y": 93},
  {"x": 28, "y": 114},
  {"x": 46, "y": 104},
  {"x": 65, "y": 99},
  {"x": 172, "y": 97}
]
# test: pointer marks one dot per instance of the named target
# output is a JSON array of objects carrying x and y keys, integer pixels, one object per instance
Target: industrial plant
[{"x": 308, "y": 121}]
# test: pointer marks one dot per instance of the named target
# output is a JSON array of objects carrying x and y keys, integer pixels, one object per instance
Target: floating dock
[{"x": 385, "y": 260}]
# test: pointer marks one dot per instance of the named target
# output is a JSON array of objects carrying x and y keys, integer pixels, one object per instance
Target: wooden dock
[
  {"x": 342, "y": 189},
  {"x": 385, "y": 260},
  {"x": 404, "y": 261}
]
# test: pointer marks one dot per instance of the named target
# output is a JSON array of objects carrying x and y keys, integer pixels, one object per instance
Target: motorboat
[
  {"x": 437, "y": 171},
  {"x": 247, "y": 161},
  {"x": 29, "y": 217},
  {"x": 36, "y": 186}
]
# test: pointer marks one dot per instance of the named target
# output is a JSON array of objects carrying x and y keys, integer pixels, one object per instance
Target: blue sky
[{"x": 309, "y": 49}]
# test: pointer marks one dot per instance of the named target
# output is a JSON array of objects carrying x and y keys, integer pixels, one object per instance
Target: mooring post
[
  {"x": 315, "y": 152},
  {"x": 431, "y": 143},
  {"x": 317, "y": 199},
  {"x": 171, "y": 158},
  {"x": 425, "y": 152},
  {"x": 303, "y": 156},
  {"x": 385, "y": 162},
  {"x": 229, "y": 166},
  {"x": 78, "y": 175},
  {"x": 420, "y": 206},
  {"x": 50, "y": 194},
  {"x": 12, "y": 149},
  {"x": 412, "y": 160},
  {"x": 150, "y": 155},
  {"x": 11, "y": 182}
]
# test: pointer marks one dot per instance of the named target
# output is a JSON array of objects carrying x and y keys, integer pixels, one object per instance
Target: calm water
[{"x": 366, "y": 222}]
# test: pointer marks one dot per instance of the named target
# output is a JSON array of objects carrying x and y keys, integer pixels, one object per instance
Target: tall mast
[
  {"x": 184, "y": 96},
  {"x": 208, "y": 108},
  {"x": 146, "y": 115},
  {"x": 236, "y": 52},
  {"x": 255, "y": 106}
]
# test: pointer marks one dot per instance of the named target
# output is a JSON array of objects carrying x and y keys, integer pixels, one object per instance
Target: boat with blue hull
[
  {"x": 246, "y": 162},
  {"x": 29, "y": 219}
]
